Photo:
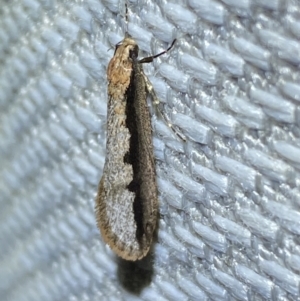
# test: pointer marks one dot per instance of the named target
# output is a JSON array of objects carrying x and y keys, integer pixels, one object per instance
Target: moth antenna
[
  {"x": 126, "y": 20},
  {"x": 150, "y": 59}
]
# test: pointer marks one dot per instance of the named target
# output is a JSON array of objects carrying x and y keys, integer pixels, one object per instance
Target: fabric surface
[{"x": 229, "y": 197}]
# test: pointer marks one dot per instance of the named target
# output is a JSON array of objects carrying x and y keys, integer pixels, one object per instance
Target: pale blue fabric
[{"x": 229, "y": 196}]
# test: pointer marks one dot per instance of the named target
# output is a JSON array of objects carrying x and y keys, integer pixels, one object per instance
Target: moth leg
[{"x": 159, "y": 109}]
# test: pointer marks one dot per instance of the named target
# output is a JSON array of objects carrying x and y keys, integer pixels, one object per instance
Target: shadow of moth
[{"x": 127, "y": 203}]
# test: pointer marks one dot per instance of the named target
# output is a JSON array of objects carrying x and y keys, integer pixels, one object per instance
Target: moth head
[{"x": 128, "y": 48}]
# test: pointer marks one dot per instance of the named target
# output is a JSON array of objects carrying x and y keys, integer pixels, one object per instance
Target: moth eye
[{"x": 133, "y": 53}]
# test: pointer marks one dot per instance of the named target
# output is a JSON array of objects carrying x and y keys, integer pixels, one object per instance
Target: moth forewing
[{"x": 126, "y": 204}]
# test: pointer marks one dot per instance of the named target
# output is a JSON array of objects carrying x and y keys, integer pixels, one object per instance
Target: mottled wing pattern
[
  {"x": 114, "y": 201},
  {"x": 126, "y": 205}
]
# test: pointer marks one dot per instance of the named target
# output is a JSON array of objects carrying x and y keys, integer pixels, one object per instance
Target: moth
[{"x": 127, "y": 202}]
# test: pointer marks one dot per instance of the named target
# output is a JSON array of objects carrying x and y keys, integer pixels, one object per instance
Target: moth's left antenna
[{"x": 126, "y": 19}]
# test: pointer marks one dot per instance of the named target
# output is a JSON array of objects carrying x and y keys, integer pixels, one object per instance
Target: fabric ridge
[{"x": 229, "y": 219}]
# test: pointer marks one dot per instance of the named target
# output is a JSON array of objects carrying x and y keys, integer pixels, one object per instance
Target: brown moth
[{"x": 127, "y": 203}]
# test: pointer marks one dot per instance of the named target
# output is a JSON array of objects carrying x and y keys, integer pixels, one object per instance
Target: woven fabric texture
[{"x": 229, "y": 226}]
